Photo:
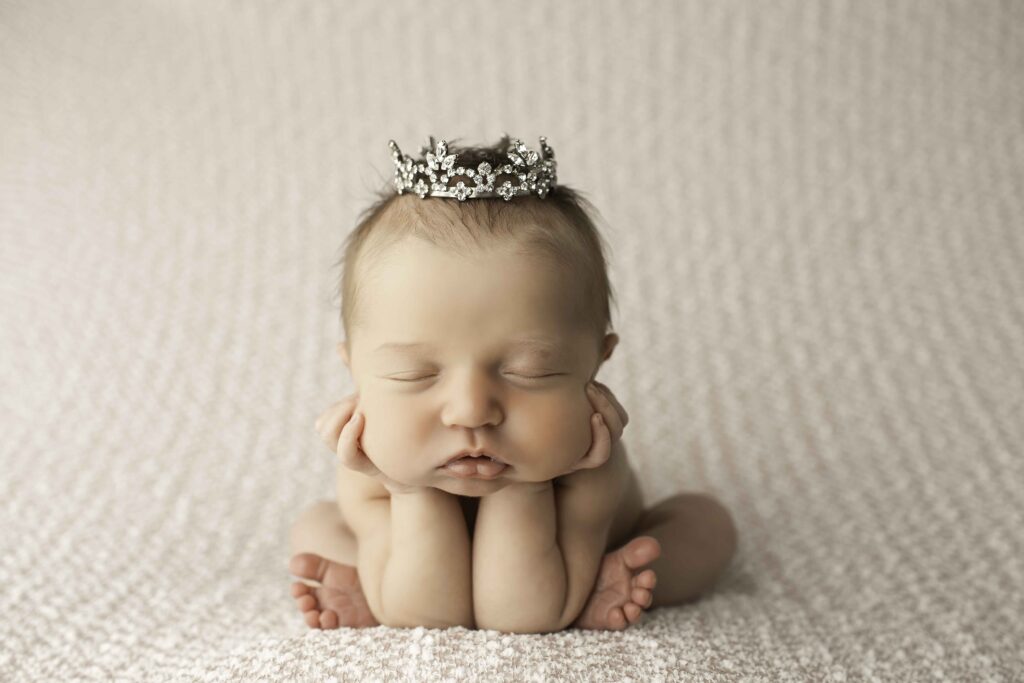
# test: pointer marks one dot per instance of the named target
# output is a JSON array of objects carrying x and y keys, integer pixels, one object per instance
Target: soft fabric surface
[{"x": 814, "y": 212}]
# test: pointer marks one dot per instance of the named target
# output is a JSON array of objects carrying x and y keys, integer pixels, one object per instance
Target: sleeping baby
[{"x": 481, "y": 476}]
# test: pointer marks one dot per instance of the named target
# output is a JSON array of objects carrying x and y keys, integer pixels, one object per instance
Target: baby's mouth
[{"x": 482, "y": 467}]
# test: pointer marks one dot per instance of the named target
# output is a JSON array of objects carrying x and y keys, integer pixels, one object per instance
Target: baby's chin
[
  {"x": 482, "y": 488},
  {"x": 473, "y": 486},
  {"x": 464, "y": 485}
]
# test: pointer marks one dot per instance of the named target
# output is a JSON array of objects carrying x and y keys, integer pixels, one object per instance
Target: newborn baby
[{"x": 481, "y": 478}]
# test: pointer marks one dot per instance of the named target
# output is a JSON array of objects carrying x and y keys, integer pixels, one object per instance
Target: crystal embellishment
[{"x": 429, "y": 176}]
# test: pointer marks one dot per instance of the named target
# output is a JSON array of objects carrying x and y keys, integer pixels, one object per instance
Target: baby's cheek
[
  {"x": 383, "y": 436},
  {"x": 562, "y": 428}
]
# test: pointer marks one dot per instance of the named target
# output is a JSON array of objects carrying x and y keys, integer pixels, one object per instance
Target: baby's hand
[
  {"x": 341, "y": 427},
  {"x": 605, "y": 403},
  {"x": 606, "y": 425}
]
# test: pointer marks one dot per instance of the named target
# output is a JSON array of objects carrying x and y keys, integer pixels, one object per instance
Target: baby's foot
[
  {"x": 339, "y": 601},
  {"x": 620, "y": 592}
]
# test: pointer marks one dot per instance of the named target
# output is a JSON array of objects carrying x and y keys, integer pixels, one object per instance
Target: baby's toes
[
  {"x": 300, "y": 589},
  {"x": 633, "y": 611},
  {"x": 312, "y": 618},
  {"x": 308, "y": 566},
  {"x": 642, "y": 597},
  {"x": 328, "y": 619},
  {"x": 640, "y": 551},
  {"x": 646, "y": 579},
  {"x": 616, "y": 619},
  {"x": 306, "y": 603}
]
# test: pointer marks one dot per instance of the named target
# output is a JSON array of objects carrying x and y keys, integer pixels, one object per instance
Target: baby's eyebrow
[
  {"x": 539, "y": 345},
  {"x": 402, "y": 346}
]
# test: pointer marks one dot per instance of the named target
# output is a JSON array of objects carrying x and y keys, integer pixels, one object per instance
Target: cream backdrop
[{"x": 814, "y": 211}]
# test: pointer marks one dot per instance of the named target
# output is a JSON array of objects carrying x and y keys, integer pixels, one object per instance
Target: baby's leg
[
  {"x": 323, "y": 549},
  {"x": 698, "y": 539},
  {"x": 320, "y": 529}
]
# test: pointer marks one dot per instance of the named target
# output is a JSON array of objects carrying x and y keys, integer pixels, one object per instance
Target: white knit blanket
[{"x": 814, "y": 213}]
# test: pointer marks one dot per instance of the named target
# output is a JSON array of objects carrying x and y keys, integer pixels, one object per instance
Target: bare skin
[
  {"x": 622, "y": 592},
  {"x": 338, "y": 602},
  {"x": 688, "y": 539},
  {"x": 623, "y": 589},
  {"x": 505, "y": 367}
]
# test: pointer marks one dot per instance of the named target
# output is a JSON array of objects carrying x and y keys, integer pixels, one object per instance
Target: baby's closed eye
[{"x": 524, "y": 373}]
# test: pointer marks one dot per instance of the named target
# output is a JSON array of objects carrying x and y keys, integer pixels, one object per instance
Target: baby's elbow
[
  {"x": 393, "y": 621},
  {"x": 521, "y": 628},
  {"x": 519, "y": 623},
  {"x": 428, "y": 616}
]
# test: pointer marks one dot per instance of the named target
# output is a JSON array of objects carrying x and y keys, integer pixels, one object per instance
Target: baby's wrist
[
  {"x": 397, "y": 490},
  {"x": 532, "y": 486}
]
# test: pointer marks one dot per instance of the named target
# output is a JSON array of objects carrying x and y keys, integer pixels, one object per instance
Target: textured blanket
[{"x": 814, "y": 213}]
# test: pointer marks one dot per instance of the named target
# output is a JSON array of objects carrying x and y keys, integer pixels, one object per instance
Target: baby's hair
[{"x": 558, "y": 227}]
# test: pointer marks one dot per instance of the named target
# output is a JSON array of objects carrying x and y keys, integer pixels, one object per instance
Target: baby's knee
[
  {"x": 314, "y": 516},
  {"x": 721, "y": 524},
  {"x": 317, "y": 511}
]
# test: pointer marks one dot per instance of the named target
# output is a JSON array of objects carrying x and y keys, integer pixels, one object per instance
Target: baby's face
[{"x": 469, "y": 384}]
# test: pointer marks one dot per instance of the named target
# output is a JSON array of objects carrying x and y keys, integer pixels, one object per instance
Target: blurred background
[{"x": 815, "y": 219}]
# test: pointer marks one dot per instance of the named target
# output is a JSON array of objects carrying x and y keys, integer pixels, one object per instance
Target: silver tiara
[{"x": 530, "y": 172}]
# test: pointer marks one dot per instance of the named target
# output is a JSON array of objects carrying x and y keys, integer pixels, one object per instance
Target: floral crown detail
[{"x": 526, "y": 172}]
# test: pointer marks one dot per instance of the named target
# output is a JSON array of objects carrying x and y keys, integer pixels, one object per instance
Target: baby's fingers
[
  {"x": 349, "y": 451},
  {"x": 610, "y": 395},
  {"x": 601, "y": 444},
  {"x": 331, "y": 421},
  {"x": 608, "y": 406}
]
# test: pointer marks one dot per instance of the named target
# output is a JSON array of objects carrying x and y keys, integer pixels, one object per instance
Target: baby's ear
[{"x": 611, "y": 340}]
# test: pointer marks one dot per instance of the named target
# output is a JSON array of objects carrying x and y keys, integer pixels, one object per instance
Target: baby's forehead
[{"x": 425, "y": 270}]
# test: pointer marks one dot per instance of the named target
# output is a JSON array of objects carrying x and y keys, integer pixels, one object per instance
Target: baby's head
[{"x": 475, "y": 325}]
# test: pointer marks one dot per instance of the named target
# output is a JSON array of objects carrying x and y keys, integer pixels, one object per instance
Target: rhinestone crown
[{"x": 526, "y": 172}]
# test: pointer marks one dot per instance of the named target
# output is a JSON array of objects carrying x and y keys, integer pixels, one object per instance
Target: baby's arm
[
  {"x": 518, "y": 572},
  {"x": 426, "y": 578},
  {"x": 537, "y": 547},
  {"x": 413, "y": 559}
]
